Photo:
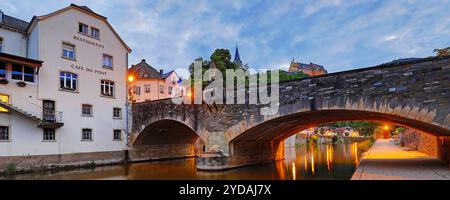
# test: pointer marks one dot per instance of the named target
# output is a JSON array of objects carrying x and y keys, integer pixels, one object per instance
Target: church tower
[{"x": 237, "y": 58}]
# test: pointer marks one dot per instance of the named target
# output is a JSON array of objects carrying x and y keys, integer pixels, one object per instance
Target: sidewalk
[{"x": 385, "y": 161}]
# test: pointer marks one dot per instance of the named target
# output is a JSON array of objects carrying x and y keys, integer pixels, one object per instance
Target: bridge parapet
[{"x": 415, "y": 94}]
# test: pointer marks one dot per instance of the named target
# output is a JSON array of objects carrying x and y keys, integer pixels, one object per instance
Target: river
[{"x": 307, "y": 162}]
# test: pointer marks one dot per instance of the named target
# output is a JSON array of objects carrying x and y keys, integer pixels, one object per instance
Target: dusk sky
[{"x": 339, "y": 34}]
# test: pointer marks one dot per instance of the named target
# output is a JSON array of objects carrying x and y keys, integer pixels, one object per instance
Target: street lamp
[{"x": 127, "y": 105}]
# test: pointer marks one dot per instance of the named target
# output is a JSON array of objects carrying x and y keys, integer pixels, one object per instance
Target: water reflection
[{"x": 301, "y": 163}]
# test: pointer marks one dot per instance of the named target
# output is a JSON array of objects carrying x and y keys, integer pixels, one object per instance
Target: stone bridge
[{"x": 414, "y": 94}]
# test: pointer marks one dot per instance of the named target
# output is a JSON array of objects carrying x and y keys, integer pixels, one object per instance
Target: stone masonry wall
[
  {"x": 420, "y": 141},
  {"x": 48, "y": 162}
]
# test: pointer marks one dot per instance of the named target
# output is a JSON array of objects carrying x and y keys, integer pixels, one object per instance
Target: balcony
[{"x": 43, "y": 117}]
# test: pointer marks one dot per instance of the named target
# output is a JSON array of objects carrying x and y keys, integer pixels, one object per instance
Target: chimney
[
  {"x": 1, "y": 16},
  {"x": 161, "y": 72},
  {"x": 143, "y": 61}
]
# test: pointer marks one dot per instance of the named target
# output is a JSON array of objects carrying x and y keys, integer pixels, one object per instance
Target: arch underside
[
  {"x": 164, "y": 132},
  {"x": 280, "y": 128}
]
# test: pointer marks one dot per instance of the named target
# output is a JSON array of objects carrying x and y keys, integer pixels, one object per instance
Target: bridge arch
[
  {"x": 258, "y": 140},
  {"x": 166, "y": 131},
  {"x": 164, "y": 139}
]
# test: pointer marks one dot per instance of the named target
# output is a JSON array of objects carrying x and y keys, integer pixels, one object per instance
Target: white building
[
  {"x": 62, "y": 85},
  {"x": 150, "y": 84}
]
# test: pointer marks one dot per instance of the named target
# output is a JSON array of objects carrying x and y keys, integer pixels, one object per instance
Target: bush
[
  {"x": 10, "y": 169},
  {"x": 92, "y": 165}
]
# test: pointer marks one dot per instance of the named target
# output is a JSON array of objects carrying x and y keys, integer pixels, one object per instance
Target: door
[{"x": 49, "y": 111}]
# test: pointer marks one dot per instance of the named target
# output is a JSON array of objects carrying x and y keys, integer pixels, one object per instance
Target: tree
[
  {"x": 442, "y": 52},
  {"x": 222, "y": 60}
]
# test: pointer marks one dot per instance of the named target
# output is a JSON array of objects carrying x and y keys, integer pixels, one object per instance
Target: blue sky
[{"x": 339, "y": 34}]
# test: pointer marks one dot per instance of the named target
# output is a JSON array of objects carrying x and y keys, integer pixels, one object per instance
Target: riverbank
[{"x": 386, "y": 161}]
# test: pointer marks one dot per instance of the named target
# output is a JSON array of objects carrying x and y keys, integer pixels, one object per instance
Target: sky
[{"x": 339, "y": 34}]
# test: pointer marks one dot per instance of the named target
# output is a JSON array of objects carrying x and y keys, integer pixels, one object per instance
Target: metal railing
[{"x": 27, "y": 106}]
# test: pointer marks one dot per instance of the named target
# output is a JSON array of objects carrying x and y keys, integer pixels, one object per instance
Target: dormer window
[{"x": 83, "y": 28}]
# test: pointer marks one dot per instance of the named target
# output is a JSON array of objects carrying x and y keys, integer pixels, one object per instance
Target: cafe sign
[{"x": 89, "y": 70}]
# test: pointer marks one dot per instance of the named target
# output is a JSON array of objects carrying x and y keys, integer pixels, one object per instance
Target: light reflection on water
[{"x": 301, "y": 163}]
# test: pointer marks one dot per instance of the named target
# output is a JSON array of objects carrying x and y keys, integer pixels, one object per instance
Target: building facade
[
  {"x": 63, "y": 85},
  {"x": 311, "y": 69},
  {"x": 149, "y": 84}
]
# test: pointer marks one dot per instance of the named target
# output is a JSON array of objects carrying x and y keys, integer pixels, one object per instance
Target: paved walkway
[{"x": 386, "y": 161}]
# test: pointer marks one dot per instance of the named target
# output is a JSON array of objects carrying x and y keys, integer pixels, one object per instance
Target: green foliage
[
  {"x": 10, "y": 169},
  {"x": 285, "y": 76},
  {"x": 222, "y": 60},
  {"x": 92, "y": 165},
  {"x": 363, "y": 127}
]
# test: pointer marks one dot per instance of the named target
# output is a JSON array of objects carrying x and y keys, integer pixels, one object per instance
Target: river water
[{"x": 307, "y": 162}]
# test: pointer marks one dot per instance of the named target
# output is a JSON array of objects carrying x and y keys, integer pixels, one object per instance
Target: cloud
[
  {"x": 338, "y": 34},
  {"x": 389, "y": 38}
]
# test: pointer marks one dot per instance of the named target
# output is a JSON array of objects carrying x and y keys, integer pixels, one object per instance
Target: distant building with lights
[
  {"x": 150, "y": 84},
  {"x": 311, "y": 69}
]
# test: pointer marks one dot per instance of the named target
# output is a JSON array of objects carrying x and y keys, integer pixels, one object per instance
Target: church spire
[{"x": 237, "y": 58}]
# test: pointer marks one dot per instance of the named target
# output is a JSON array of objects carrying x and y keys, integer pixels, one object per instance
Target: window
[
  {"x": 117, "y": 135},
  {"x": 161, "y": 89},
  {"x": 4, "y": 99},
  {"x": 68, "y": 81},
  {"x": 86, "y": 134},
  {"x": 86, "y": 110},
  {"x": 107, "y": 88},
  {"x": 4, "y": 133},
  {"x": 148, "y": 88},
  {"x": 95, "y": 33},
  {"x": 68, "y": 51},
  {"x": 49, "y": 134},
  {"x": 22, "y": 73},
  {"x": 107, "y": 61},
  {"x": 2, "y": 69},
  {"x": 137, "y": 90},
  {"x": 83, "y": 28},
  {"x": 1, "y": 44},
  {"x": 117, "y": 113},
  {"x": 170, "y": 90}
]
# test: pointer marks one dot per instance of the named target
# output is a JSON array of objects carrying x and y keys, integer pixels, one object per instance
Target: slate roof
[
  {"x": 145, "y": 70},
  {"x": 14, "y": 23}
]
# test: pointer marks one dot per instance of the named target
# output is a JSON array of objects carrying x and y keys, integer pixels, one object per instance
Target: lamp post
[{"x": 130, "y": 79}]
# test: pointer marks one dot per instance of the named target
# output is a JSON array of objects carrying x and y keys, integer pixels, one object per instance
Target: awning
[{"x": 20, "y": 60}]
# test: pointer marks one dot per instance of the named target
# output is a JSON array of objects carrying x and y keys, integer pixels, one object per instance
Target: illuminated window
[{"x": 4, "y": 99}]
